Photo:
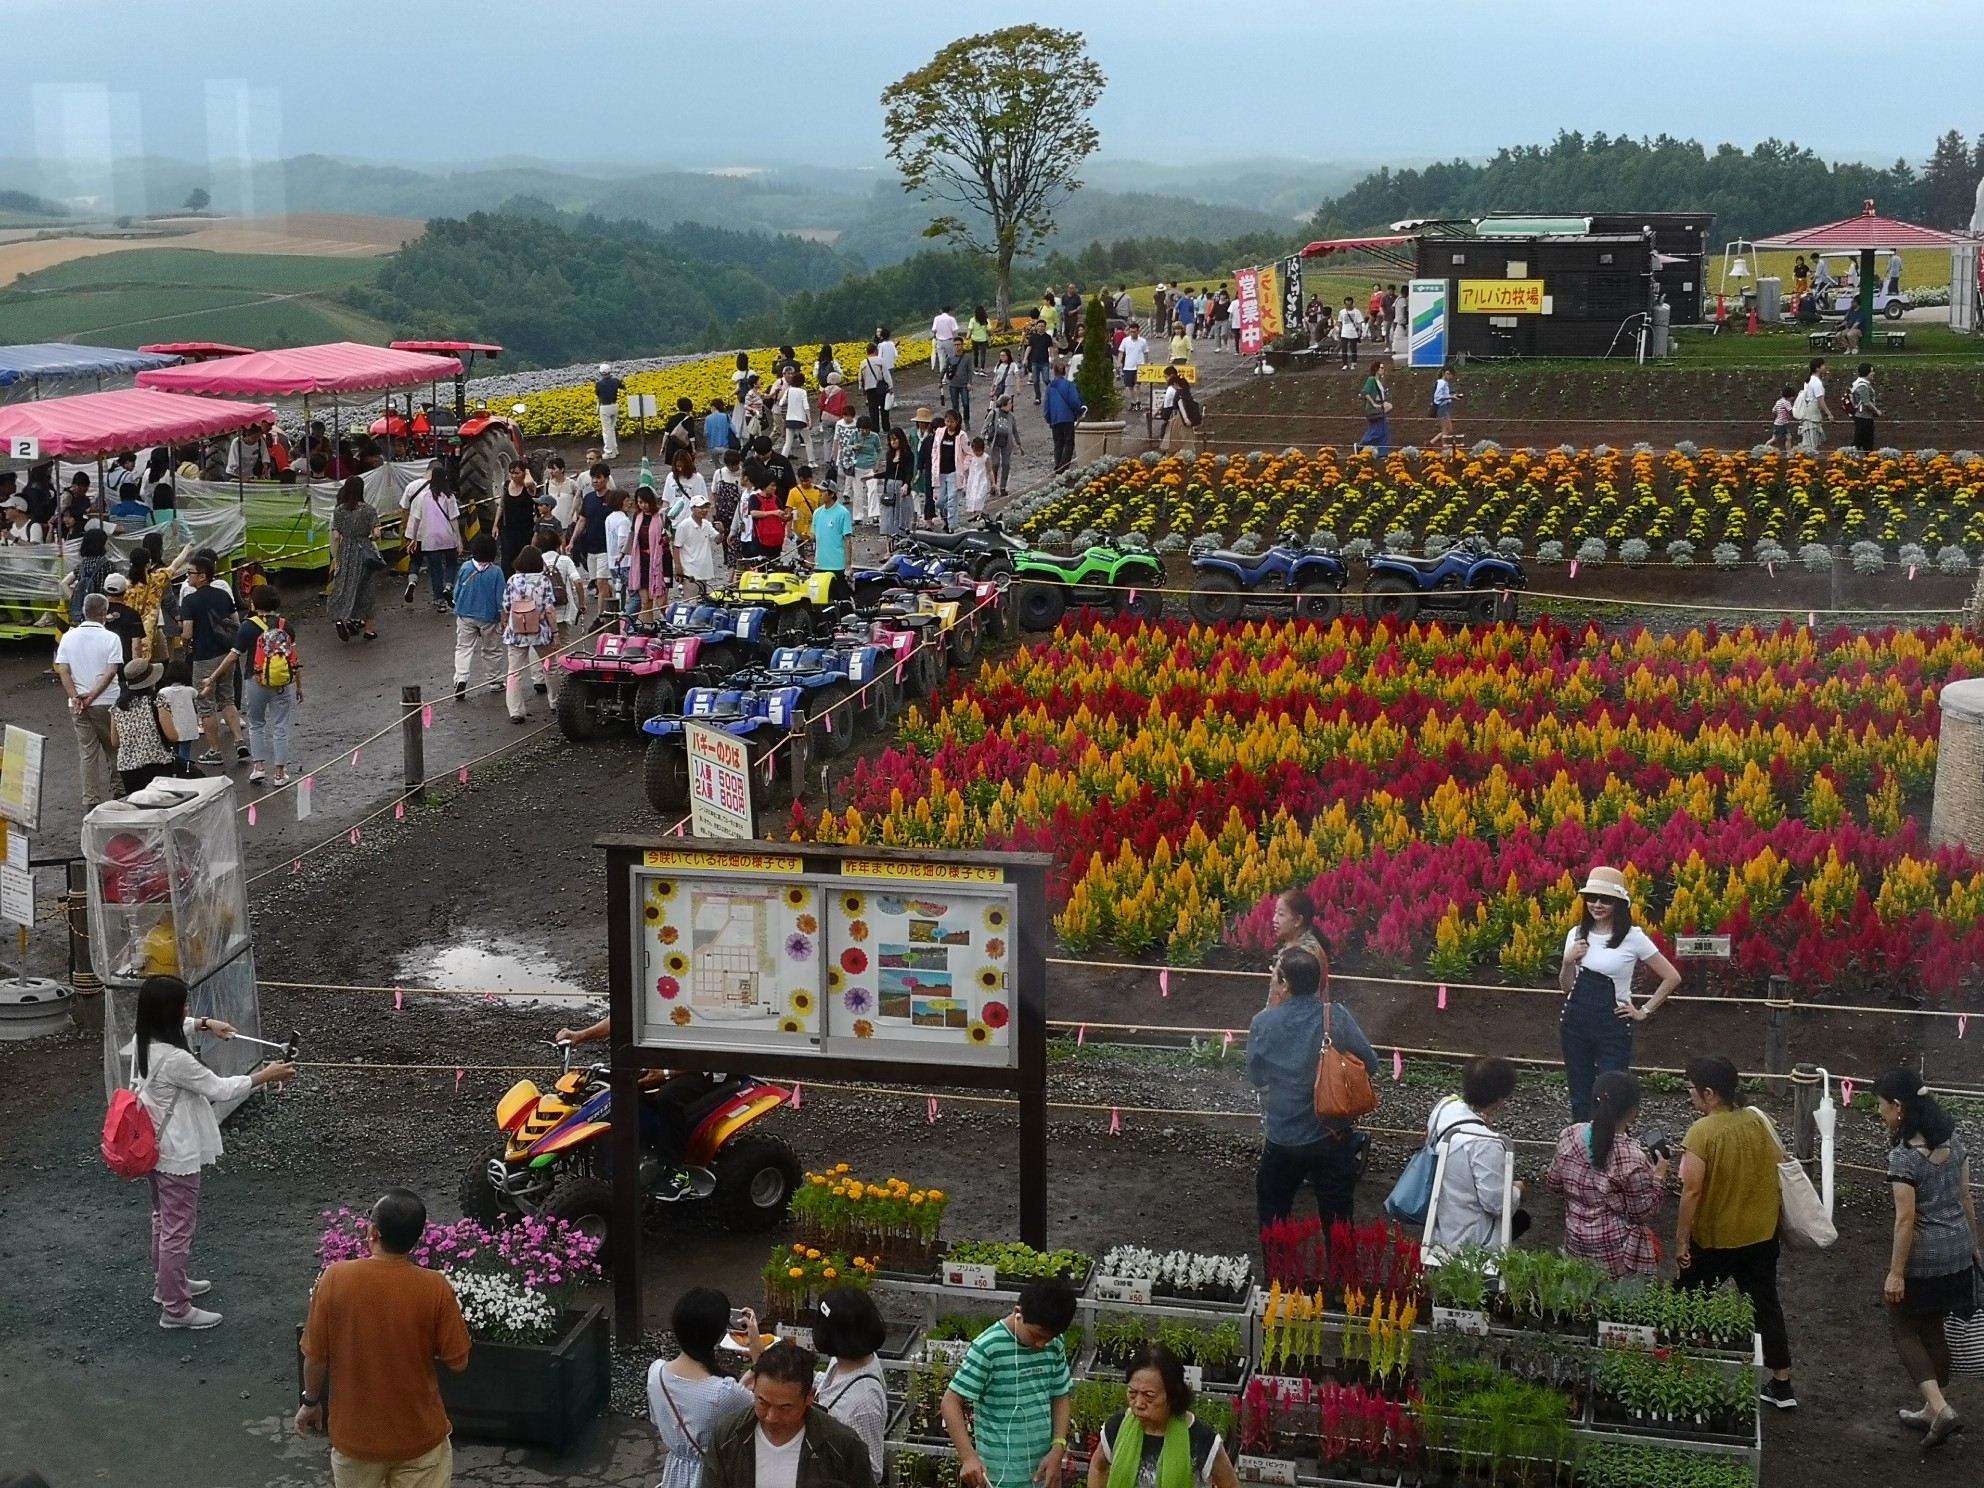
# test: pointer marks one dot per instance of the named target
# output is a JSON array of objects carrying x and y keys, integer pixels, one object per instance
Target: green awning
[{"x": 1532, "y": 227}]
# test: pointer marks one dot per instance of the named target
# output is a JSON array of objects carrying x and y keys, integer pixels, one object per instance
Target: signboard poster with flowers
[
  {"x": 919, "y": 963},
  {"x": 729, "y": 958}
]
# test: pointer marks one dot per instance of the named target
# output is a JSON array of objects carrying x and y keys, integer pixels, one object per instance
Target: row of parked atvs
[{"x": 780, "y": 653}]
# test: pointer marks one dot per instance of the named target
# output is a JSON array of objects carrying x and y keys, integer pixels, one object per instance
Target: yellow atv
[
  {"x": 952, "y": 614},
  {"x": 794, "y": 602}
]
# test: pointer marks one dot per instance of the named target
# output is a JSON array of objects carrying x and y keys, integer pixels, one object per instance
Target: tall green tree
[
  {"x": 997, "y": 125},
  {"x": 1948, "y": 183},
  {"x": 1096, "y": 377}
]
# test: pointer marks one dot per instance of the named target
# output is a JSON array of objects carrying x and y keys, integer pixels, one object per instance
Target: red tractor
[{"x": 477, "y": 447}]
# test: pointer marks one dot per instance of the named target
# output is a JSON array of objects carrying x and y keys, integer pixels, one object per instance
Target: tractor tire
[
  {"x": 665, "y": 775},
  {"x": 479, "y": 1199},
  {"x": 1041, "y": 606},
  {"x": 1390, "y": 596},
  {"x": 1215, "y": 599},
  {"x": 755, "y": 1179},
  {"x": 1318, "y": 602},
  {"x": 575, "y": 716},
  {"x": 830, "y": 722},
  {"x": 586, "y": 1204},
  {"x": 1143, "y": 605},
  {"x": 1483, "y": 608},
  {"x": 485, "y": 469},
  {"x": 963, "y": 641},
  {"x": 658, "y": 697}
]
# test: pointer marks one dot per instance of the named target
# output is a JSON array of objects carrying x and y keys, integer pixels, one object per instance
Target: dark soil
[{"x": 1939, "y": 408}]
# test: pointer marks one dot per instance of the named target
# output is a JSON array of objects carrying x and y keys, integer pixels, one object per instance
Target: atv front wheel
[
  {"x": 831, "y": 713},
  {"x": 1318, "y": 602},
  {"x": 755, "y": 1179},
  {"x": 1215, "y": 599},
  {"x": 791, "y": 625},
  {"x": 479, "y": 1199},
  {"x": 586, "y": 1204},
  {"x": 665, "y": 774},
  {"x": 963, "y": 640},
  {"x": 1390, "y": 596},
  {"x": 1484, "y": 608},
  {"x": 575, "y": 716},
  {"x": 1041, "y": 606},
  {"x": 1144, "y": 605}
]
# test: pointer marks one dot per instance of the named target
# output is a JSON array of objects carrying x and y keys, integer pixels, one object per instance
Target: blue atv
[
  {"x": 1470, "y": 577},
  {"x": 731, "y": 637},
  {"x": 1288, "y": 575},
  {"x": 847, "y": 686},
  {"x": 762, "y": 718},
  {"x": 988, "y": 601}
]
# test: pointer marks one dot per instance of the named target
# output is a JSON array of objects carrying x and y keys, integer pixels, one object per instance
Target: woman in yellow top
[
  {"x": 802, "y": 503},
  {"x": 978, "y": 331},
  {"x": 151, "y": 576},
  {"x": 1181, "y": 346}
]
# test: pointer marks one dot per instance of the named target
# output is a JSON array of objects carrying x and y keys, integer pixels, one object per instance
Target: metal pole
[
  {"x": 1777, "y": 1034},
  {"x": 1034, "y": 926},
  {"x": 624, "y": 1232},
  {"x": 1866, "y": 300},
  {"x": 413, "y": 741}
]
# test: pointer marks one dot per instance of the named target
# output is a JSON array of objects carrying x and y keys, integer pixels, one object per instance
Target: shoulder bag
[
  {"x": 1964, "y": 1331},
  {"x": 1343, "y": 1085},
  {"x": 1412, "y": 1195},
  {"x": 1803, "y": 1220},
  {"x": 687, "y": 1435}
]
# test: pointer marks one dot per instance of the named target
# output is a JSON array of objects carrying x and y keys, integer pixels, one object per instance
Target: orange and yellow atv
[{"x": 697, "y": 1142}]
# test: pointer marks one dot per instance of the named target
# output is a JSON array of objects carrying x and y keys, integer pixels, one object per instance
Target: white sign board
[
  {"x": 971, "y": 1275},
  {"x": 643, "y": 406},
  {"x": 20, "y": 778},
  {"x": 1266, "y": 1470},
  {"x": 1134, "y": 1290},
  {"x": 719, "y": 782},
  {"x": 16, "y": 882},
  {"x": 1702, "y": 947},
  {"x": 24, "y": 447}
]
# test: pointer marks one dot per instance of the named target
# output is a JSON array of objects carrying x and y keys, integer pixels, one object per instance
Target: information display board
[{"x": 770, "y": 952}]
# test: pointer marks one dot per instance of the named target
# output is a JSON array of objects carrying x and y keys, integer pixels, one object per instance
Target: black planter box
[
  {"x": 523, "y": 1394},
  {"x": 534, "y": 1395}
]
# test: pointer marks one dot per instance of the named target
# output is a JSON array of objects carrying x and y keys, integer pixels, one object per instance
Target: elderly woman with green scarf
[{"x": 1157, "y": 1442}]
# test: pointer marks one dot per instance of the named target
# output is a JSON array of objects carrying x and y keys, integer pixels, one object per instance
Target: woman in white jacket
[
  {"x": 1469, "y": 1210},
  {"x": 179, "y": 1092}
]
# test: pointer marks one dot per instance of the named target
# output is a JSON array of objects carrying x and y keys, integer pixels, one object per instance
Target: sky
[{"x": 635, "y": 82}]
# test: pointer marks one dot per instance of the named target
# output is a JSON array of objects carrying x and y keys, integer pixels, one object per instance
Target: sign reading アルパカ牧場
[{"x": 1501, "y": 297}]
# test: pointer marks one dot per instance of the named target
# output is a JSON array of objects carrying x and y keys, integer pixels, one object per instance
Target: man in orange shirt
[{"x": 377, "y": 1326}]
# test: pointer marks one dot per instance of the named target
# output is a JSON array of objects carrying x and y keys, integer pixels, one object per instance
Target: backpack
[
  {"x": 130, "y": 1141},
  {"x": 1343, "y": 1086},
  {"x": 1189, "y": 407},
  {"x": 560, "y": 595},
  {"x": 526, "y": 615},
  {"x": 275, "y": 653}
]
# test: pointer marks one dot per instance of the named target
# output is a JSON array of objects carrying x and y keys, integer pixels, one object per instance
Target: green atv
[{"x": 1047, "y": 585}]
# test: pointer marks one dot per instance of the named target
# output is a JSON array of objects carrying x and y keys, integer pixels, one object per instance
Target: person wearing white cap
[
  {"x": 1601, "y": 953},
  {"x": 606, "y": 392},
  {"x": 20, "y": 527},
  {"x": 696, "y": 541}
]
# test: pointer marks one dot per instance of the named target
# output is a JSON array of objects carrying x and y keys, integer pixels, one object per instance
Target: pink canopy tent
[
  {"x": 1867, "y": 233},
  {"x": 306, "y": 371},
  {"x": 95, "y": 424}
]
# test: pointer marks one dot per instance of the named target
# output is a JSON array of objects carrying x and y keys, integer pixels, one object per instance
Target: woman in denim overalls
[{"x": 1600, "y": 957}]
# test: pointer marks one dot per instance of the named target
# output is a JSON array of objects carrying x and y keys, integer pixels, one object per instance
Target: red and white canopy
[
  {"x": 338, "y": 367},
  {"x": 1869, "y": 230},
  {"x": 92, "y": 424}
]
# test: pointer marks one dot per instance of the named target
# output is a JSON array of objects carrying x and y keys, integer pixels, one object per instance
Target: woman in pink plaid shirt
[{"x": 1609, "y": 1182}]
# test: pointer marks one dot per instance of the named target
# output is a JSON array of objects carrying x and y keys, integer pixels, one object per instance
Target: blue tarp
[{"x": 53, "y": 359}]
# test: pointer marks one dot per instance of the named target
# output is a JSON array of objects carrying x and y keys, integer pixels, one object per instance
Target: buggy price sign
[{"x": 719, "y": 783}]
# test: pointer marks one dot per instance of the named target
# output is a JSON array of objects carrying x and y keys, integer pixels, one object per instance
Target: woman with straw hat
[{"x": 1601, "y": 953}]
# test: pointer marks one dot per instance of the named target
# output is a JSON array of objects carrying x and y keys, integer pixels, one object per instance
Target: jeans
[
  {"x": 1595, "y": 1039},
  {"x": 961, "y": 404},
  {"x": 98, "y": 753},
  {"x": 175, "y": 1213},
  {"x": 1348, "y": 346},
  {"x": 1330, "y": 1167},
  {"x": 947, "y": 500},
  {"x": 1064, "y": 445},
  {"x": 441, "y": 565},
  {"x": 473, "y": 638},
  {"x": 1754, "y": 1270},
  {"x": 520, "y": 660},
  {"x": 268, "y": 722},
  {"x": 1037, "y": 373},
  {"x": 1001, "y": 456}
]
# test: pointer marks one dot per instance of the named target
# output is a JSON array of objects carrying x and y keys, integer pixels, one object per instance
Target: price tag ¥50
[
  {"x": 1135, "y": 1290},
  {"x": 977, "y": 1278}
]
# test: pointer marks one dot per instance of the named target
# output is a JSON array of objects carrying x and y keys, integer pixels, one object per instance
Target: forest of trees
[{"x": 1772, "y": 188}]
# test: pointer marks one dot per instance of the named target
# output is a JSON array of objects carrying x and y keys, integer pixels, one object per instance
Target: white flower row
[
  {"x": 1184, "y": 1270},
  {"x": 495, "y": 1306}
]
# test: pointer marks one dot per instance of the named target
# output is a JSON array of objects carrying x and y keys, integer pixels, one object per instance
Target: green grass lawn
[
  {"x": 185, "y": 294},
  {"x": 272, "y": 273}
]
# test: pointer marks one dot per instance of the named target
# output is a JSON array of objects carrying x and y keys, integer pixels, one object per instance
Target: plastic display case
[{"x": 168, "y": 897}]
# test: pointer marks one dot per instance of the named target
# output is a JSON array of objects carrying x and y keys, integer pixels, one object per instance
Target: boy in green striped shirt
[{"x": 1015, "y": 1375}]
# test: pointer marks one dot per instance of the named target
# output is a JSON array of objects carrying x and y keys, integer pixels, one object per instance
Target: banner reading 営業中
[
  {"x": 1426, "y": 307},
  {"x": 1247, "y": 304}
]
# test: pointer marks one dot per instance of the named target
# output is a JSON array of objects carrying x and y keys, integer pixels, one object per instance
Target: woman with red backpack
[{"x": 178, "y": 1095}]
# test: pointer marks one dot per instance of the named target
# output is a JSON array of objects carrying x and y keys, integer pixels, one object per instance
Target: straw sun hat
[{"x": 1609, "y": 882}]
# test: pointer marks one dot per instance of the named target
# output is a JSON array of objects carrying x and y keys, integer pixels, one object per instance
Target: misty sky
[{"x": 660, "y": 82}]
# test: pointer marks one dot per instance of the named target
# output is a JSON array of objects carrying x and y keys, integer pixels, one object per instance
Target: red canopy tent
[
  {"x": 95, "y": 424},
  {"x": 1865, "y": 235},
  {"x": 1384, "y": 249},
  {"x": 197, "y": 351},
  {"x": 337, "y": 367}
]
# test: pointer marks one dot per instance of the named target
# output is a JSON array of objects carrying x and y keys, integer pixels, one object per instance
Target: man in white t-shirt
[
  {"x": 1349, "y": 330},
  {"x": 696, "y": 544},
  {"x": 763, "y": 1447},
  {"x": 1130, "y": 355},
  {"x": 797, "y": 414},
  {"x": 89, "y": 660},
  {"x": 886, "y": 349},
  {"x": 1811, "y": 409},
  {"x": 944, "y": 334}
]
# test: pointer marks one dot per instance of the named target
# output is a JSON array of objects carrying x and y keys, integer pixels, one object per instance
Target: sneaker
[
  {"x": 518, "y": 718},
  {"x": 1779, "y": 1393},
  {"x": 461, "y": 691},
  {"x": 201, "y": 1288},
  {"x": 257, "y": 775},
  {"x": 192, "y": 1317},
  {"x": 1946, "y": 1425},
  {"x": 282, "y": 776},
  {"x": 241, "y": 752},
  {"x": 211, "y": 757},
  {"x": 407, "y": 598}
]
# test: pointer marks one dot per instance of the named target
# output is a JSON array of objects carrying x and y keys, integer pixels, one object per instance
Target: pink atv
[{"x": 638, "y": 672}]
